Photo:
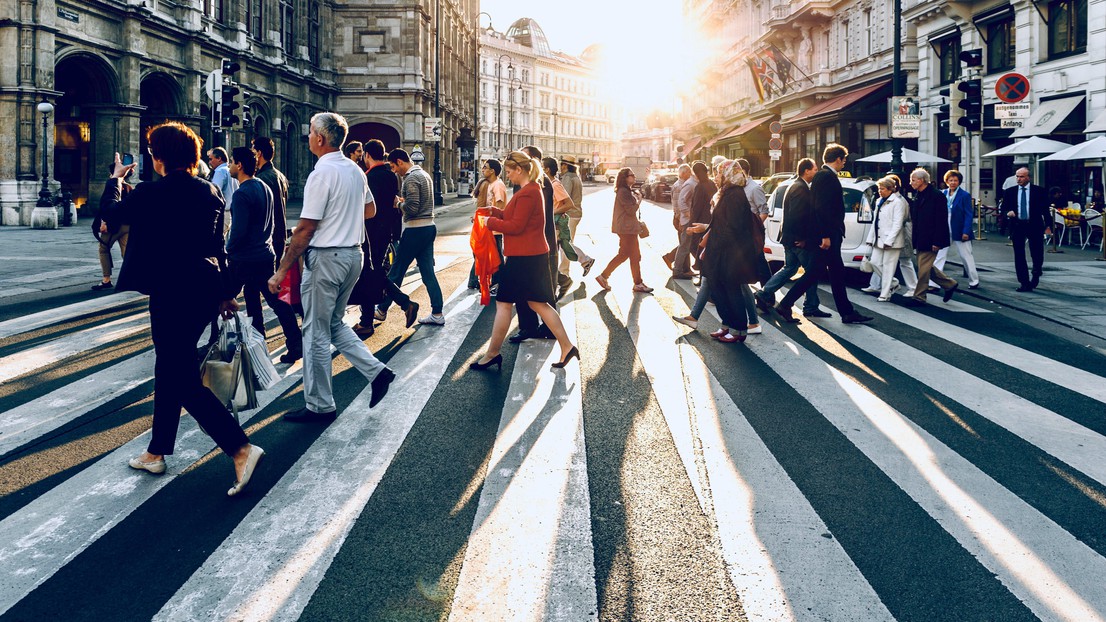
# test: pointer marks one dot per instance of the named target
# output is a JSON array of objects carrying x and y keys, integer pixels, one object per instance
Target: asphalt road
[{"x": 941, "y": 464}]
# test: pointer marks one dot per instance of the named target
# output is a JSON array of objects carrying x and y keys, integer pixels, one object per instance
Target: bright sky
[{"x": 643, "y": 41}]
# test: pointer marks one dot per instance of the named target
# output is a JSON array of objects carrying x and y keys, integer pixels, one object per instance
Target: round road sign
[
  {"x": 1012, "y": 88},
  {"x": 775, "y": 127},
  {"x": 775, "y": 143}
]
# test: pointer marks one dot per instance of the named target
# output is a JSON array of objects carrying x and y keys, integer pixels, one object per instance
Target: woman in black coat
[
  {"x": 730, "y": 259},
  {"x": 175, "y": 256}
]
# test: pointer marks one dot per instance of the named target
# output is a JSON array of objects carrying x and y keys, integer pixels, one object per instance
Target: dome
[{"x": 526, "y": 31}]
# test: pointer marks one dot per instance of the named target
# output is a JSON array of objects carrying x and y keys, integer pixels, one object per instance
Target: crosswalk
[{"x": 943, "y": 464}]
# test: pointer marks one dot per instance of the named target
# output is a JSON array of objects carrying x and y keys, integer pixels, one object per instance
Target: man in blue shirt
[{"x": 222, "y": 178}]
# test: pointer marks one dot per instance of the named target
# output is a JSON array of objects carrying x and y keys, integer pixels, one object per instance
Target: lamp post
[
  {"x": 44, "y": 215},
  {"x": 438, "y": 198},
  {"x": 499, "y": 99},
  {"x": 476, "y": 88},
  {"x": 511, "y": 133},
  {"x": 897, "y": 86}
]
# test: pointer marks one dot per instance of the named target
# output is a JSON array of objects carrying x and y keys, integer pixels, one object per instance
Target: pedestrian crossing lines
[{"x": 840, "y": 472}]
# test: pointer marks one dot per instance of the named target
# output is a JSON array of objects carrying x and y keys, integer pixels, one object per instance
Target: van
[
  {"x": 640, "y": 165},
  {"x": 860, "y": 197}
]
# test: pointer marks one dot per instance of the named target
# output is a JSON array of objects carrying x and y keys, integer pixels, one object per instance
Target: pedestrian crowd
[{"x": 193, "y": 242}]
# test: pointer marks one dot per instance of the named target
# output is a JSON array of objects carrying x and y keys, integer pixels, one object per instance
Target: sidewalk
[{"x": 59, "y": 261}]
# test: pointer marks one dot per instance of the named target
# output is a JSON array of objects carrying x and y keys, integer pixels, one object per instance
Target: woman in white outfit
[{"x": 887, "y": 236}]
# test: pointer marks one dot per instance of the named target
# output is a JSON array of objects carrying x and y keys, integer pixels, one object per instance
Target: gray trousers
[
  {"x": 329, "y": 275},
  {"x": 682, "y": 263}
]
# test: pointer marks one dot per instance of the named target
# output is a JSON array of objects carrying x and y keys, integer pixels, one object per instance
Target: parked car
[
  {"x": 659, "y": 185},
  {"x": 859, "y": 195}
]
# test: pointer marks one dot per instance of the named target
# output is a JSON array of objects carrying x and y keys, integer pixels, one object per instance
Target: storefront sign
[
  {"x": 905, "y": 117},
  {"x": 1012, "y": 111}
]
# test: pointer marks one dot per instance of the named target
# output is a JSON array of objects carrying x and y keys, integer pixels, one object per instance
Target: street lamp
[
  {"x": 897, "y": 86},
  {"x": 499, "y": 98},
  {"x": 44, "y": 198},
  {"x": 438, "y": 198},
  {"x": 511, "y": 134}
]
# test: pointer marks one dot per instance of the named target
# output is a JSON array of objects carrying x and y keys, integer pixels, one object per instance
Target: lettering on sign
[
  {"x": 1011, "y": 124},
  {"x": 432, "y": 129},
  {"x": 905, "y": 117},
  {"x": 69, "y": 16},
  {"x": 1012, "y": 111},
  {"x": 775, "y": 154}
]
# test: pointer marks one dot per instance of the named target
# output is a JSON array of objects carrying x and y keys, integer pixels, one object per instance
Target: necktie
[{"x": 1023, "y": 205}]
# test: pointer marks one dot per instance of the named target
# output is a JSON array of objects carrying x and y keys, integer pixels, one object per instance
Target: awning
[
  {"x": 690, "y": 146},
  {"x": 738, "y": 130},
  {"x": 1098, "y": 125},
  {"x": 837, "y": 103},
  {"x": 1047, "y": 117}
]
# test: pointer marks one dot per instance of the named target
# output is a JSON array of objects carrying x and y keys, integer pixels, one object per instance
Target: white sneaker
[
  {"x": 755, "y": 329},
  {"x": 436, "y": 319},
  {"x": 870, "y": 290}
]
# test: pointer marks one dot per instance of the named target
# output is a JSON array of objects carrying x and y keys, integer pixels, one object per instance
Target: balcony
[{"x": 801, "y": 13}]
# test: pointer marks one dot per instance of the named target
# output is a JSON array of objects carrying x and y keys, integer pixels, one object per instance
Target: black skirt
[{"x": 525, "y": 279}]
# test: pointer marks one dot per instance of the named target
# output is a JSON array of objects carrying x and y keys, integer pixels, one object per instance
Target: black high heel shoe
[
  {"x": 572, "y": 354},
  {"x": 497, "y": 361}
]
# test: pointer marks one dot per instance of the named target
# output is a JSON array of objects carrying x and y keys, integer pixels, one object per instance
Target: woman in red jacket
[
  {"x": 625, "y": 225},
  {"x": 524, "y": 276}
]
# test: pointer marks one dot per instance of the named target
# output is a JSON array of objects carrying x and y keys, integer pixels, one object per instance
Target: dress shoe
[
  {"x": 522, "y": 335},
  {"x": 785, "y": 313},
  {"x": 855, "y": 318},
  {"x": 543, "y": 332},
  {"x": 1025, "y": 287},
  {"x": 687, "y": 320},
  {"x": 816, "y": 313},
  {"x": 380, "y": 386},
  {"x": 411, "y": 313},
  {"x": 562, "y": 289},
  {"x": 973, "y": 285},
  {"x": 156, "y": 467},
  {"x": 586, "y": 265},
  {"x": 291, "y": 356},
  {"x": 496, "y": 360},
  {"x": 572, "y": 354},
  {"x": 949, "y": 292},
  {"x": 1035, "y": 281},
  {"x": 304, "y": 415},
  {"x": 247, "y": 472},
  {"x": 762, "y": 304},
  {"x": 363, "y": 331},
  {"x": 101, "y": 286},
  {"x": 379, "y": 314}
]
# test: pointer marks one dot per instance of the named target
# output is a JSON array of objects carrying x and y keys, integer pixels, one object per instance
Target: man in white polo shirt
[{"x": 336, "y": 204}]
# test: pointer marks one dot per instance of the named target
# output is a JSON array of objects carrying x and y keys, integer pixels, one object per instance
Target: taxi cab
[{"x": 860, "y": 199}]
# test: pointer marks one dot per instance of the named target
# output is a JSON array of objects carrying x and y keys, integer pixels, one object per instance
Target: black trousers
[
  {"x": 176, "y": 323},
  {"x": 379, "y": 237},
  {"x": 829, "y": 259},
  {"x": 256, "y": 275},
  {"x": 1020, "y": 233}
]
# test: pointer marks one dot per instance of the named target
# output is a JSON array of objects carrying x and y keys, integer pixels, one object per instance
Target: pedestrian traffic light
[
  {"x": 952, "y": 108},
  {"x": 971, "y": 104},
  {"x": 972, "y": 58}
]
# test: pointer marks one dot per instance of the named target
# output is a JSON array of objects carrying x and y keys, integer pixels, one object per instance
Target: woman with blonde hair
[
  {"x": 625, "y": 225},
  {"x": 887, "y": 236},
  {"x": 524, "y": 276}
]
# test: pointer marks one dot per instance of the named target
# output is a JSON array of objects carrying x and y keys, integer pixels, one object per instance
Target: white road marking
[
  {"x": 91, "y": 338},
  {"x": 293, "y": 534},
  {"x": 49, "y": 317},
  {"x": 530, "y": 554},
  {"x": 46, "y": 277}
]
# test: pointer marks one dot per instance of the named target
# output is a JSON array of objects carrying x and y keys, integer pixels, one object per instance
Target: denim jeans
[
  {"x": 704, "y": 295},
  {"x": 416, "y": 244},
  {"x": 793, "y": 258}
]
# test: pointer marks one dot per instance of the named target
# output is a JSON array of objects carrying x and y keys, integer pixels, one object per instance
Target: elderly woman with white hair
[{"x": 887, "y": 237}]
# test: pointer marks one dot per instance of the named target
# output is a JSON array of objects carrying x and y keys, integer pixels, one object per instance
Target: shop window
[
  {"x": 1067, "y": 27},
  {"x": 1001, "y": 45},
  {"x": 948, "y": 58}
]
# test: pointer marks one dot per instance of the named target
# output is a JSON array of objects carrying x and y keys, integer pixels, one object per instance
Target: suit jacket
[
  {"x": 800, "y": 223},
  {"x": 960, "y": 215},
  {"x": 829, "y": 204},
  {"x": 930, "y": 214},
  {"x": 1038, "y": 207},
  {"x": 176, "y": 235},
  {"x": 384, "y": 185}
]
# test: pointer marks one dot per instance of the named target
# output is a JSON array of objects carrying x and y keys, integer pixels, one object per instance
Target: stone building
[
  {"x": 115, "y": 67},
  {"x": 533, "y": 94},
  {"x": 828, "y": 69}
]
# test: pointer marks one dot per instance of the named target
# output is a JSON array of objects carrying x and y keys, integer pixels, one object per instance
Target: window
[
  {"x": 484, "y": 90},
  {"x": 254, "y": 18},
  {"x": 215, "y": 9},
  {"x": 848, "y": 42},
  {"x": 867, "y": 51},
  {"x": 1067, "y": 27},
  {"x": 287, "y": 27},
  {"x": 484, "y": 67},
  {"x": 1001, "y": 45},
  {"x": 313, "y": 30},
  {"x": 948, "y": 58}
]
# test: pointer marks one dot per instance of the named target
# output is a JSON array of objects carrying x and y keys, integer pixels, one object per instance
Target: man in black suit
[
  {"x": 799, "y": 237},
  {"x": 829, "y": 211},
  {"x": 930, "y": 217},
  {"x": 1027, "y": 213}
]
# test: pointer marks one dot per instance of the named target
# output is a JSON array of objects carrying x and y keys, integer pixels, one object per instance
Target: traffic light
[
  {"x": 972, "y": 58},
  {"x": 227, "y": 95},
  {"x": 971, "y": 104},
  {"x": 952, "y": 108}
]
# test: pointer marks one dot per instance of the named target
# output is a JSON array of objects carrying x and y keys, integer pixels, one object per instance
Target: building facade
[
  {"x": 532, "y": 94},
  {"x": 823, "y": 70}
]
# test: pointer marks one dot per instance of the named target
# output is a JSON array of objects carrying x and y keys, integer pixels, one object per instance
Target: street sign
[
  {"x": 432, "y": 129},
  {"x": 213, "y": 78},
  {"x": 905, "y": 117},
  {"x": 1012, "y": 88},
  {"x": 775, "y": 127},
  {"x": 1012, "y": 111},
  {"x": 775, "y": 154},
  {"x": 1011, "y": 124},
  {"x": 775, "y": 144}
]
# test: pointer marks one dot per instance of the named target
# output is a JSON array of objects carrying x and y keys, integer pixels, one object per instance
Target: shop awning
[
  {"x": 837, "y": 103},
  {"x": 1098, "y": 125},
  {"x": 1047, "y": 117},
  {"x": 690, "y": 147}
]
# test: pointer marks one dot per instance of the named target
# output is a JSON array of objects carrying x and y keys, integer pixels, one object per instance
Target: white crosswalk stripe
[{"x": 530, "y": 552}]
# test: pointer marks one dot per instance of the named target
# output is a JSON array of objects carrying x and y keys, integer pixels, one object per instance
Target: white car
[{"x": 859, "y": 195}]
